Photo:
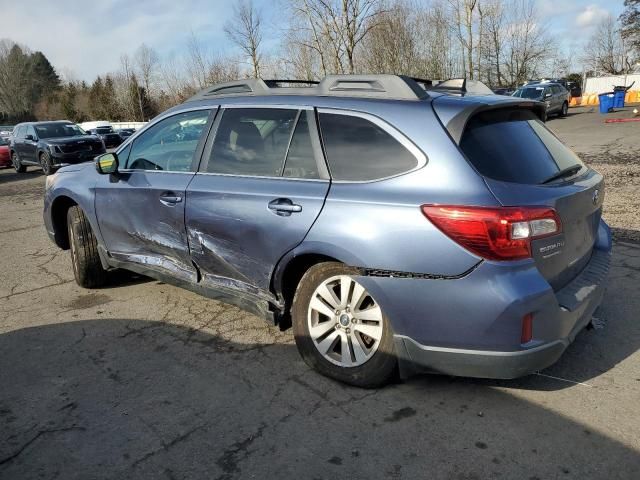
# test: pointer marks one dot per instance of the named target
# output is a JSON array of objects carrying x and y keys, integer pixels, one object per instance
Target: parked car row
[{"x": 5, "y": 156}]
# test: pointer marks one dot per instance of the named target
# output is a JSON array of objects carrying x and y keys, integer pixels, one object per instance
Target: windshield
[
  {"x": 529, "y": 92},
  {"x": 103, "y": 130},
  {"x": 56, "y": 130}
]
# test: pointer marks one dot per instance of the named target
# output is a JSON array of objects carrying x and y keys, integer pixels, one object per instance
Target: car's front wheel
[
  {"x": 46, "y": 164},
  {"x": 87, "y": 268},
  {"x": 17, "y": 164},
  {"x": 340, "y": 329}
]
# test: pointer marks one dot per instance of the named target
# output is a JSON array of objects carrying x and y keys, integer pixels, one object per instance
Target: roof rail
[
  {"x": 463, "y": 85},
  {"x": 396, "y": 87}
]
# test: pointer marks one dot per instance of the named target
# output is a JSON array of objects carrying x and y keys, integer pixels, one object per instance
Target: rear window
[
  {"x": 359, "y": 150},
  {"x": 514, "y": 146}
]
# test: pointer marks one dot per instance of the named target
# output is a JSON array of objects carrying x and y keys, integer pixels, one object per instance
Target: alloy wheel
[{"x": 345, "y": 323}]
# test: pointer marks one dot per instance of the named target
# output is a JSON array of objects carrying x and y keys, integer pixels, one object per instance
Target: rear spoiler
[{"x": 454, "y": 113}]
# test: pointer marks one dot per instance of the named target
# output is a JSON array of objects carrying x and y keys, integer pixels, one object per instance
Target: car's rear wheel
[
  {"x": 87, "y": 268},
  {"x": 17, "y": 164},
  {"x": 564, "y": 110},
  {"x": 340, "y": 329},
  {"x": 46, "y": 164}
]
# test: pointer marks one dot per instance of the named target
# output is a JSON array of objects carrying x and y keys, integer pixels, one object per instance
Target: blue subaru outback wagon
[{"x": 396, "y": 227}]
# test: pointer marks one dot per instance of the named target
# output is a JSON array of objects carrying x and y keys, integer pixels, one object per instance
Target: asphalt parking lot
[{"x": 144, "y": 380}]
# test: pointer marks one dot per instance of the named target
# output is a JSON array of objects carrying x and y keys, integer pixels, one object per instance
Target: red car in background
[{"x": 5, "y": 158}]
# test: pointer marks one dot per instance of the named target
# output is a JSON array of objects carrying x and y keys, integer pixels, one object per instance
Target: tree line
[{"x": 500, "y": 42}]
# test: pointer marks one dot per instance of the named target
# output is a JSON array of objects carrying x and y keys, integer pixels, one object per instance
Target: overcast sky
[{"x": 85, "y": 38}]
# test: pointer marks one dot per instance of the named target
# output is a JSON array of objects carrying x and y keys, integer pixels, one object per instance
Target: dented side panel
[
  {"x": 137, "y": 227},
  {"x": 236, "y": 240}
]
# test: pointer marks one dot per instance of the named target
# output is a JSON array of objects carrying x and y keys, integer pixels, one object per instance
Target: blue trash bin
[
  {"x": 618, "y": 98},
  {"x": 606, "y": 102}
]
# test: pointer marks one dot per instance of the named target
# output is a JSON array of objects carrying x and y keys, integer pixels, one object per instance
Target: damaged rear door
[
  {"x": 261, "y": 185},
  {"x": 140, "y": 210}
]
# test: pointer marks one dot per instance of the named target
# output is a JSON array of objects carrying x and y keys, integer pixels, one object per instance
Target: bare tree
[
  {"x": 463, "y": 13},
  {"x": 527, "y": 43},
  {"x": 196, "y": 62},
  {"x": 245, "y": 30},
  {"x": 494, "y": 13},
  {"x": 335, "y": 29},
  {"x": 146, "y": 61},
  {"x": 605, "y": 52},
  {"x": 391, "y": 47}
]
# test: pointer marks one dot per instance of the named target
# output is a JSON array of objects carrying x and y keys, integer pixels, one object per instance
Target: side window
[
  {"x": 31, "y": 131},
  {"x": 301, "y": 161},
  {"x": 123, "y": 155},
  {"x": 359, "y": 150},
  {"x": 252, "y": 141},
  {"x": 170, "y": 144}
]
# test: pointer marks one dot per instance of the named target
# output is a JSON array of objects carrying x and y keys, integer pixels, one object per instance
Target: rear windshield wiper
[{"x": 565, "y": 172}]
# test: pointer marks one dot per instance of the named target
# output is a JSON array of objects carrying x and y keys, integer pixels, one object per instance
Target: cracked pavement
[{"x": 144, "y": 380}]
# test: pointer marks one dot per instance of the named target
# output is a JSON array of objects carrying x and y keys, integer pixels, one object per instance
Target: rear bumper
[
  {"x": 502, "y": 364},
  {"x": 472, "y": 326}
]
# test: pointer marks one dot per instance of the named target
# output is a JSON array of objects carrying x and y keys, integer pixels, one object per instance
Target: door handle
[
  {"x": 170, "y": 199},
  {"x": 284, "y": 207}
]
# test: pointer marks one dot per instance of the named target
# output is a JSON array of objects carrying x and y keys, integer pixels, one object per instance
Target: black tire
[
  {"x": 375, "y": 372},
  {"x": 564, "y": 110},
  {"x": 83, "y": 245},
  {"x": 545, "y": 117},
  {"x": 17, "y": 164},
  {"x": 46, "y": 164}
]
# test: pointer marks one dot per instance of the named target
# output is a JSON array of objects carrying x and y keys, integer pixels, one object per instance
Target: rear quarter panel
[{"x": 380, "y": 224}]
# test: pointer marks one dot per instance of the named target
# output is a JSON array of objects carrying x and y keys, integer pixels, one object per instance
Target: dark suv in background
[
  {"x": 109, "y": 137},
  {"x": 50, "y": 145},
  {"x": 553, "y": 95}
]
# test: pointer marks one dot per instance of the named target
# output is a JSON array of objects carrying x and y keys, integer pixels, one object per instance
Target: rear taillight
[{"x": 495, "y": 233}]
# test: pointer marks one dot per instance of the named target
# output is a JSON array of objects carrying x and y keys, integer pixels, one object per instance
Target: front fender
[{"x": 70, "y": 186}]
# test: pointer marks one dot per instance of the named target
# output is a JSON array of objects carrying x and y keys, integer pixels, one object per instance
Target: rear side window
[
  {"x": 252, "y": 141},
  {"x": 359, "y": 150},
  {"x": 514, "y": 146},
  {"x": 301, "y": 161}
]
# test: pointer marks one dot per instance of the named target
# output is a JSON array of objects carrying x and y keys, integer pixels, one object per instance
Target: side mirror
[
  {"x": 547, "y": 95},
  {"x": 107, "y": 163},
  {"x": 31, "y": 138}
]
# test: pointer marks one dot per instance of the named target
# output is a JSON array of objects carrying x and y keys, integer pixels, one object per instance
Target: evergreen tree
[{"x": 630, "y": 20}]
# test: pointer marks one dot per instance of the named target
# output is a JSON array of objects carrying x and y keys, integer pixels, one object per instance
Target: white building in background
[
  {"x": 115, "y": 125},
  {"x": 599, "y": 85}
]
